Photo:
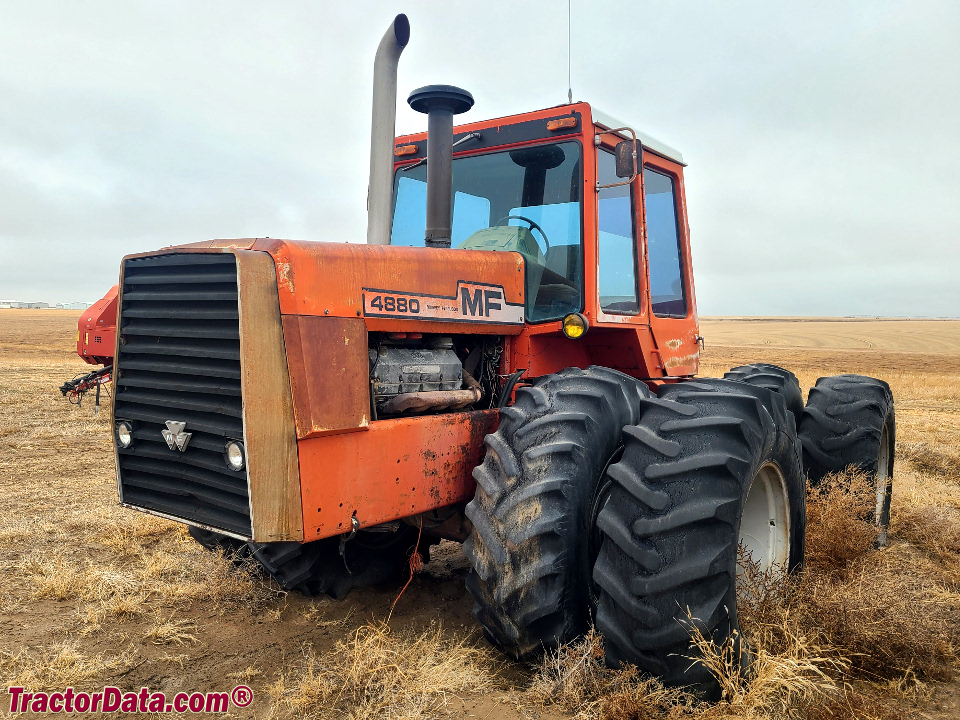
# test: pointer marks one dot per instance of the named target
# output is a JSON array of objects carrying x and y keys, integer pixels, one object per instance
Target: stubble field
[{"x": 93, "y": 595}]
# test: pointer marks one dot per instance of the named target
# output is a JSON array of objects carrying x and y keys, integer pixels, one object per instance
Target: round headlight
[
  {"x": 575, "y": 325},
  {"x": 124, "y": 434},
  {"x": 234, "y": 455}
]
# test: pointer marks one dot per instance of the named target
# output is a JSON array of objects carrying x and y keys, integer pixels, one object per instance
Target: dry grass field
[{"x": 93, "y": 595}]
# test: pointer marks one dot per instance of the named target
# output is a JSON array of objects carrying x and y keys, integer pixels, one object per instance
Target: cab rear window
[{"x": 667, "y": 294}]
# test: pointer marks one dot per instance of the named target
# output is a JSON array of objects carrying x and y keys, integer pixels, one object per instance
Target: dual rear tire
[
  {"x": 599, "y": 501},
  {"x": 713, "y": 466},
  {"x": 849, "y": 422}
]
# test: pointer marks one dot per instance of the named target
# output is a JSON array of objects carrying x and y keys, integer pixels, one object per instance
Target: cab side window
[
  {"x": 617, "y": 279},
  {"x": 668, "y": 298}
]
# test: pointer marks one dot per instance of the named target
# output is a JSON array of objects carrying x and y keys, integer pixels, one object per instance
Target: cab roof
[
  {"x": 514, "y": 121},
  {"x": 650, "y": 143}
]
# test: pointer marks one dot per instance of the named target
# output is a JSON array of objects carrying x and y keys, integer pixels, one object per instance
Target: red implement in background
[{"x": 96, "y": 332}]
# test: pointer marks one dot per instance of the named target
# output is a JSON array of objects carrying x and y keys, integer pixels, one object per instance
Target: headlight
[
  {"x": 575, "y": 325},
  {"x": 234, "y": 455},
  {"x": 124, "y": 434}
]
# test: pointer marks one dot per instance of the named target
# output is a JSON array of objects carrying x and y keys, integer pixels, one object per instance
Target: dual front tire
[{"x": 532, "y": 545}]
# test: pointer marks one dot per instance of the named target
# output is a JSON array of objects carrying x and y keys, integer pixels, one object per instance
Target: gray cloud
[{"x": 821, "y": 137}]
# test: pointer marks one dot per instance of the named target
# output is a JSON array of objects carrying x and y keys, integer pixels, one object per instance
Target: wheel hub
[{"x": 765, "y": 524}]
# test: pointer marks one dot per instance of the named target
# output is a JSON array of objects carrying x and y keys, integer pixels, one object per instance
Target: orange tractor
[{"x": 507, "y": 362}]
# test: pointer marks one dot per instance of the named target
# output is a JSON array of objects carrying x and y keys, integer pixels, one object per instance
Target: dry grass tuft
[
  {"x": 927, "y": 458},
  {"x": 172, "y": 632},
  {"x": 880, "y": 614},
  {"x": 798, "y": 674},
  {"x": 59, "y": 666},
  {"x": 575, "y": 679},
  {"x": 246, "y": 675},
  {"x": 839, "y": 530},
  {"x": 886, "y": 616},
  {"x": 935, "y": 530},
  {"x": 888, "y": 611},
  {"x": 379, "y": 673},
  {"x": 175, "y": 659}
]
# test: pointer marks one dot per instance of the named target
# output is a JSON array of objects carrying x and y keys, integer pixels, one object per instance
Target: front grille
[{"x": 179, "y": 359}]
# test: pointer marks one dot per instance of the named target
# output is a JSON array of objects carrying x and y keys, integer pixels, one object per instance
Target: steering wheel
[{"x": 533, "y": 226}]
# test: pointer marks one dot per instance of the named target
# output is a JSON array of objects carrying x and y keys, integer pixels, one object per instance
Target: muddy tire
[
  {"x": 771, "y": 377},
  {"x": 530, "y": 547},
  {"x": 317, "y": 567},
  {"x": 698, "y": 477},
  {"x": 849, "y": 422}
]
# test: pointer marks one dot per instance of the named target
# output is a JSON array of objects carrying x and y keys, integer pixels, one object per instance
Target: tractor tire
[
  {"x": 531, "y": 549},
  {"x": 849, "y": 421},
  {"x": 229, "y": 547},
  {"x": 712, "y": 465},
  {"x": 771, "y": 377},
  {"x": 317, "y": 567},
  {"x": 370, "y": 558}
]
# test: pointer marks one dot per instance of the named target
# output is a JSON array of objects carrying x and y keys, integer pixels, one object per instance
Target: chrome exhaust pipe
[{"x": 382, "y": 131}]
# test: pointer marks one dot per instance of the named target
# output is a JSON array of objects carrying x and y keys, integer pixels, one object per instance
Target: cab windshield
[{"x": 526, "y": 201}]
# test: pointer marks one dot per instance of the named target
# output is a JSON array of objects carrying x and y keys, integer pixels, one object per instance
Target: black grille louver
[{"x": 179, "y": 359}]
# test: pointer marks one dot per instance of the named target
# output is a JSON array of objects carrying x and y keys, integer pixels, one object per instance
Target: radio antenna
[{"x": 569, "y": 83}]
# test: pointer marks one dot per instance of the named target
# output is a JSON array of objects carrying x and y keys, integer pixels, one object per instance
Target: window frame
[
  {"x": 635, "y": 242},
  {"x": 681, "y": 245},
  {"x": 581, "y": 183}
]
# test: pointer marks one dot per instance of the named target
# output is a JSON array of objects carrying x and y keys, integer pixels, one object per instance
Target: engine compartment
[{"x": 425, "y": 373}]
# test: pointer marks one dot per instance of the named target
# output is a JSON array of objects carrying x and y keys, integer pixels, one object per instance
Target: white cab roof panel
[{"x": 660, "y": 148}]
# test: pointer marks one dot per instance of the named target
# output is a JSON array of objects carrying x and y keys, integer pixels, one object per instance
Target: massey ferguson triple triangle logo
[
  {"x": 175, "y": 436},
  {"x": 473, "y": 302}
]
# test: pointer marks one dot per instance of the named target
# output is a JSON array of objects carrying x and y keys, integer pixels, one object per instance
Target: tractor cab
[{"x": 603, "y": 235}]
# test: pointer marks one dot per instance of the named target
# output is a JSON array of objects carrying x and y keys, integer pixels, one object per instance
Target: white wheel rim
[
  {"x": 765, "y": 523},
  {"x": 882, "y": 483}
]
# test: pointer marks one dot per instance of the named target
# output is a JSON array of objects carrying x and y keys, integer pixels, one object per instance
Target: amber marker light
[
  {"x": 575, "y": 326},
  {"x": 405, "y": 150},
  {"x": 560, "y": 124}
]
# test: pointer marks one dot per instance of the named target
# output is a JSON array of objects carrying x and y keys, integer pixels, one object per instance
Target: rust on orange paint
[
  {"x": 397, "y": 468},
  {"x": 327, "y": 357},
  {"x": 238, "y": 244},
  {"x": 332, "y": 279}
]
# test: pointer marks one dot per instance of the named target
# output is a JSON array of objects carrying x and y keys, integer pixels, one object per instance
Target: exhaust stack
[
  {"x": 382, "y": 132},
  {"x": 440, "y": 103}
]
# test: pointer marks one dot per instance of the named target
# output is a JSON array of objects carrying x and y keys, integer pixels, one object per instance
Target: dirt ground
[{"x": 92, "y": 594}]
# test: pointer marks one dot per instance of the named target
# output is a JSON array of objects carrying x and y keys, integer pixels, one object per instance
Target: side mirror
[
  {"x": 628, "y": 158},
  {"x": 627, "y": 154}
]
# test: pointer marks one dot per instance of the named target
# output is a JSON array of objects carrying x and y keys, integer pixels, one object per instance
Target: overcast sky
[{"x": 823, "y": 139}]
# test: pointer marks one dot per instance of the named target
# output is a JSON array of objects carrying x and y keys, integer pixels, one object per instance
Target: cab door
[{"x": 669, "y": 279}]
